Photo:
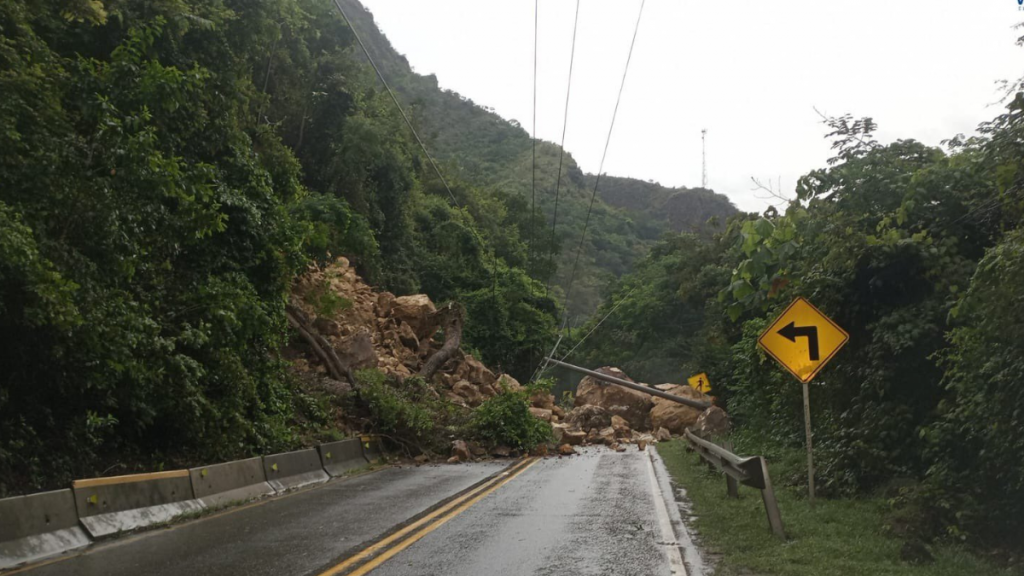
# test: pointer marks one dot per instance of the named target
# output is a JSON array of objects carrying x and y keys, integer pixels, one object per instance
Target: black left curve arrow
[{"x": 791, "y": 332}]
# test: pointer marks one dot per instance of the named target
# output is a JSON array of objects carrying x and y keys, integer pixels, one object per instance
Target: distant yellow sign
[
  {"x": 803, "y": 339},
  {"x": 700, "y": 383}
]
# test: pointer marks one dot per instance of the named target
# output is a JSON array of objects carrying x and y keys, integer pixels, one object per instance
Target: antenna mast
[{"x": 704, "y": 158}]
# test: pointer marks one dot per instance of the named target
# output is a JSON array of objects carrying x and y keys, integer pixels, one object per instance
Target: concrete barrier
[
  {"x": 294, "y": 469},
  {"x": 372, "y": 450},
  {"x": 38, "y": 526},
  {"x": 221, "y": 484},
  {"x": 119, "y": 503},
  {"x": 339, "y": 458}
]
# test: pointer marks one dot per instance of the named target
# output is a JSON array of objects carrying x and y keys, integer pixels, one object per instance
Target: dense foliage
[
  {"x": 912, "y": 249},
  {"x": 168, "y": 168}
]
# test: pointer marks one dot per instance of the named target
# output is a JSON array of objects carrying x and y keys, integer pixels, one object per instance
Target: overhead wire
[
  {"x": 394, "y": 99},
  {"x": 604, "y": 155},
  {"x": 565, "y": 124},
  {"x": 423, "y": 147},
  {"x": 568, "y": 294}
]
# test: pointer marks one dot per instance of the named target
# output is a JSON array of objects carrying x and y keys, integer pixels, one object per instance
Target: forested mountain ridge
[
  {"x": 487, "y": 150},
  {"x": 696, "y": 210}
]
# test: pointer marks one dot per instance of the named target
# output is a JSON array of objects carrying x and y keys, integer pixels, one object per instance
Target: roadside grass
[{"x": 839, "y": 537}]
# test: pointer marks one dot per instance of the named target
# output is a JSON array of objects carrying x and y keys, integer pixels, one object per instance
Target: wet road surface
[{"x": 600, "y": 512}]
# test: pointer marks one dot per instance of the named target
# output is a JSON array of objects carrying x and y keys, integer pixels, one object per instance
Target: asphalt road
[{"x": 598, "y": 513}]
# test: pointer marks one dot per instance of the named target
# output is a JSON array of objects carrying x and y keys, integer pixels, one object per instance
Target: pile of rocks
[
  {"x": 370, "y": 329},
  {"x": 616, "y": 416}
]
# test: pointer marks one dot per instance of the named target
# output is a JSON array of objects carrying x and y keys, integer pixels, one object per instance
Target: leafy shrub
[
  {"x": 326, "y": 302},
  {"x": 506, "y": 419},
  {"x": 410, "y": 412}
]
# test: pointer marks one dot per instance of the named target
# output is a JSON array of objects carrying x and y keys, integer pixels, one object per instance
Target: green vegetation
[
  {"x": 915, "y": 251},
  {"x": 168, "y": 170},
  {"x": 414, "y": 415},
  {"x": 506, "y": 419},
  {"x": 628, "y": 216},
  {"x": 838, "y": 537}
]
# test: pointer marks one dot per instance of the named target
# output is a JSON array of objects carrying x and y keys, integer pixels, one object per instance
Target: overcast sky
[{"x": 750, "y": 72}]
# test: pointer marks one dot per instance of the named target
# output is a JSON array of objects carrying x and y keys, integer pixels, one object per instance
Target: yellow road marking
[
  {"x": 460, "y": 505},
  {"x": 90, "y": 482}
]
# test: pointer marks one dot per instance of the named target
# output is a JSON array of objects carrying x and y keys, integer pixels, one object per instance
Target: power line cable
[
  {"x": 380, "y": 75},
  {"x": 565, "y": 123},
  {"x": 337, "y": 3},
  {"x": 597, "y": 181}
]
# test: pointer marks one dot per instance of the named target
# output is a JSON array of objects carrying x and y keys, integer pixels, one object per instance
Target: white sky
[{"x": 750, "y": 72}]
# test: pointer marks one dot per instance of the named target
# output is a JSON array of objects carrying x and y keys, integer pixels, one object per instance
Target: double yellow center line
[{"x": 388, "y": 547}]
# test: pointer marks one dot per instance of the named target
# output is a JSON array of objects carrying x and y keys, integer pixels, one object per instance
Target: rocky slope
[{"x": 370, "y": 329}]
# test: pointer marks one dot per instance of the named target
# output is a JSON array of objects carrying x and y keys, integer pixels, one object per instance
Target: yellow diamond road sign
[
  {"x": 803, "y": 339},
  {"x": 700, "y": 383}
]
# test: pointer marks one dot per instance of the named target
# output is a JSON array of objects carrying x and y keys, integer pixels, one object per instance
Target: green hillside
[{"x": 488, "y": 150}]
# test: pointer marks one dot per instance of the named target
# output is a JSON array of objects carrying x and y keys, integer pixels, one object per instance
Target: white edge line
[
  {"x": 668, "y": 536},
  {"x": 694, "y": 564}
]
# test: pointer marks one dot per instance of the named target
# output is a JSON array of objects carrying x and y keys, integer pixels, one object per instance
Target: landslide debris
[
  {"x": 365, "y": 328},
  {"x": 614, "y": 416}
]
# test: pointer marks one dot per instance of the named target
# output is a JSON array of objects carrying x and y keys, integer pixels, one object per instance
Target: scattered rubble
[{"x": 345, "y": 325}]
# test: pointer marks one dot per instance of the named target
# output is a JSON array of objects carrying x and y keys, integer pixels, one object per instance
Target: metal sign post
[
  {"x": 810, "y": 451},
  {"x": 803, "y": 340}
]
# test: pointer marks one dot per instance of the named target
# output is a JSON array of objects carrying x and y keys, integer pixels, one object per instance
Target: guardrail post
[
  {"x": 771, "y": 506},
  {"x": 732, "y": 487}
]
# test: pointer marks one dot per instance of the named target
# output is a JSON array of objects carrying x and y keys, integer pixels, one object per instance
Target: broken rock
[
  {"x": 587, "y": 417},
  {"x": 418, "y": 312},
  {"x": 621, "y": 426},
  {"x": 713, "y": 422},
  {"x": 673, "y": 416},
  {"x": 541, "y": 413},
  {"x": 566, "y": 450},
  {"x": 460, "y": 451},
  {"x": 632, "y": 405}
]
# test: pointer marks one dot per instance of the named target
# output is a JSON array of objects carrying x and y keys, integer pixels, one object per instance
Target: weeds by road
[{"x": 841, "y": 537}]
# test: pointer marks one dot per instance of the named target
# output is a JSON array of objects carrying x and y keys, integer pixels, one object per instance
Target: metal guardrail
[
  {"x": 632, "y": 385},
  {"x": 751, "y": 471}
]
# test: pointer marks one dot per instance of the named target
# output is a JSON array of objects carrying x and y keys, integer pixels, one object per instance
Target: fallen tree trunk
[
  {"x": 321, "y": 347},
  {"x": 452, "y": 342}
]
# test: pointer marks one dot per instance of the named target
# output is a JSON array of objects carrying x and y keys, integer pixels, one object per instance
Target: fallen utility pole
[{"x": 632, "y": 385}]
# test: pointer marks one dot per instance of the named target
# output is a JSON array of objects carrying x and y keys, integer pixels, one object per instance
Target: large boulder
[
  {"x": 385, "y": 301},
  {"x": 356, "y": 352},
  {"x": 620, "y": 426},
  {"x": 508, "y": 381},
  {"x": 418, "y": 312},
  {"x": 632, "y": 405},
  {"x": 712, "y": 422},
  {"x": 566, "y": 434},
  {"x": 468, "y": 392},
  {"x": 587, "y": 417},
  {"x": 475, "y": 371},
  {"x": 460, "y": 451},
  {"x": 675, "y": 417}
]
